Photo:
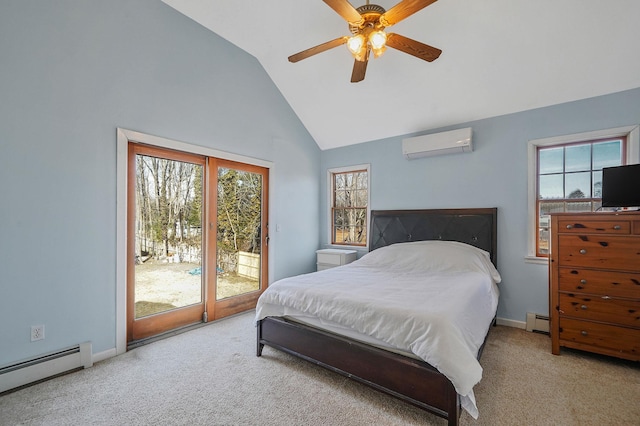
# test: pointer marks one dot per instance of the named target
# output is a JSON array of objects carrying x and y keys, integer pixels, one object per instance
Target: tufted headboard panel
[{"x": 477, "y": 227}]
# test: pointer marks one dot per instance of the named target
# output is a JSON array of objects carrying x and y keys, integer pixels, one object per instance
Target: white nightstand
[{"x": 330, "y": 258}]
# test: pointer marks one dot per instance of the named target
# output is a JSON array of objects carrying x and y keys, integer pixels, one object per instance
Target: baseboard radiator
[
  {"x": 537, "y": 323},
  {"x": 45, "y": 366}
]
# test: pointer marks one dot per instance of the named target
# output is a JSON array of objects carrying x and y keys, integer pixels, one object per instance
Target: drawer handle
[
  {"x": 583, "y": 281},
  {"x": 583, "y": 251},
  {"x": 576, "y": 225},
  {"x": 583, "y": 307},
  {"x": 617, "y": 227},
  {"x": 584, "y": 333},
  {"x": 606, "y": 297}
]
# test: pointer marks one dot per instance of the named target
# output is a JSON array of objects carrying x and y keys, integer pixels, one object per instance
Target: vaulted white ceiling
[{"x": 499, "y": 57}]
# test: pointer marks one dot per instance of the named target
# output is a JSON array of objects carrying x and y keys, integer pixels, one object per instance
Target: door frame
[
  {"x": 221, "y": 308},
  {"x": 123, "y": 138}
]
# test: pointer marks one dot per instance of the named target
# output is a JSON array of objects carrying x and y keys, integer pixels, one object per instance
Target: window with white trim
[
  {"x": 565, "y": 175},
  {"x": 570, "y": 179},
  {"x": 349, "y": 193}
]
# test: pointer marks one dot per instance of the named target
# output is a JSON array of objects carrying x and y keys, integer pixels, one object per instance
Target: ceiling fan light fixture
[
  {"x": 378, "y": 42},
  {"x": 378, "y": 39},
  {"x": 367, "y": 24},
  {"x": 355, "y": 44}
]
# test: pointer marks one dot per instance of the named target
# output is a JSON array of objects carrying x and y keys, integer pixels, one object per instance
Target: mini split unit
[{"x": 437, "y": 144}]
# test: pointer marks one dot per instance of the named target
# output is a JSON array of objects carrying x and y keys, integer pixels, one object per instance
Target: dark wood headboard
[{"x": 477, "y": 227}]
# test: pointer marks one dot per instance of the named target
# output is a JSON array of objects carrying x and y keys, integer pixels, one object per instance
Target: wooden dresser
[{"x": 594, "y": 283}]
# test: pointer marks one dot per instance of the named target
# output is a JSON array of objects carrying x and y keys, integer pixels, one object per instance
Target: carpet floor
[{"x": 211, "y": 376}]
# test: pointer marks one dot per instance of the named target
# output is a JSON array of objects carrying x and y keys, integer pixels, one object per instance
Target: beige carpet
[{"x": 211, "y": 376}]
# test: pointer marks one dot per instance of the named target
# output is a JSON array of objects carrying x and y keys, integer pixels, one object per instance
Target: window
[
  {"x": 570, "y": 179},
  {"x": 349, "y": 205},
  {"x": 565, "y": 175}
]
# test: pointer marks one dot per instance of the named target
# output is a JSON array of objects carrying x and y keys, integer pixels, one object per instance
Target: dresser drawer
[
  {"x": 599, "y": 251},
  {"x": 601, "y": 308},
  {"x": 605, "y": 283},
  {"x": 594, "y": 226},
  {"x": 620, "y": 340}
]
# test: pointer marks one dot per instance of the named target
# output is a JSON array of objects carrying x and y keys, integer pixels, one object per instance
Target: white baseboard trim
[
  {"x": 511, "y": 323},
  {"x": 101, "y": 356}
]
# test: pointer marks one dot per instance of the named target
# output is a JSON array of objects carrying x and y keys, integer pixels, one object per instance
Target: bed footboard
[{"x": 408, "y": 379}]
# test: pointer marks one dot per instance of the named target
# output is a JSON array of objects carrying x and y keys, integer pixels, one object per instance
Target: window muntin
[
  {"x": 569, "y": 179},
  {"x": 349, "y": 206}
]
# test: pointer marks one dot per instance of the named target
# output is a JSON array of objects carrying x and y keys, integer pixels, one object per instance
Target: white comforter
[{"x": 434, "y": 299}]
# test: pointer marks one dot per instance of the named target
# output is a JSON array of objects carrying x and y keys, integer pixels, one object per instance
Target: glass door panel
[
  {"x": 166, "y": 284},
  {"x": 239, "y": 217},
  {"x": 168, "y": 270}
]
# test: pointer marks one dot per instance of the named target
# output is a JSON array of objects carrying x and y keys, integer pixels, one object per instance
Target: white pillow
[{"x": 431, "y": 256}]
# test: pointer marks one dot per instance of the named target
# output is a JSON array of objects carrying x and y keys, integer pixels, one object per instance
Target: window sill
[{"x": 536, "y": 260}]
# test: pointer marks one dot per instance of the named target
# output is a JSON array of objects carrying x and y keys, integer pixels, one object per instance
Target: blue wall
[
  {"x": 72, "y": 72},
  {"x": 493, "y": 175}
]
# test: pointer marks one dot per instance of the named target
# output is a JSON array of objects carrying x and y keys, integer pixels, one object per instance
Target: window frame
[
  {"x": 632, "y": 135},
  {"x": 331, "y": 198}
]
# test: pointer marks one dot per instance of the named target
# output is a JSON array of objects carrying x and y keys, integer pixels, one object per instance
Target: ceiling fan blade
[
  {"x": 402, "y": 10},
  {"x": 346, "y": 10},
  {"x": 318, "y": 49},
  {"x": 359, "y": 69},
  {"x": 412, "y": 47}
]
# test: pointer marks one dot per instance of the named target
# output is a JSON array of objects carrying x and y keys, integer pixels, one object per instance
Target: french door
[
  {"x": 197, "y": 235},
  {"x": 238, "y": 246}
]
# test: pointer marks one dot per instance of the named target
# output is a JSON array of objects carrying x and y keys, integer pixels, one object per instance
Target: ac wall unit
[{"x": 437, "y": 144}]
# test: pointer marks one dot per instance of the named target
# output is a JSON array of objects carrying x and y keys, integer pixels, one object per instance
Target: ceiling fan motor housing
[{"x": 371, "y": 14}]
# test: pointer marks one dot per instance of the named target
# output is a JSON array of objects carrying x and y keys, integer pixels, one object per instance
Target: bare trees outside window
[
  {"x": 350, "y": 198},
  {"x": 239, "y": 231},
  {"x": 168, "y": 234},
  {"x": 169, "y": 209}
]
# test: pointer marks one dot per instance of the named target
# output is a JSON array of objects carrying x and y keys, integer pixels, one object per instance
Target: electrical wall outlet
[{"x": 37, "y": 332}]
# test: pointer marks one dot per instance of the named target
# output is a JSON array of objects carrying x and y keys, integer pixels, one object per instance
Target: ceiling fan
[{"x": 367, "y": 24}]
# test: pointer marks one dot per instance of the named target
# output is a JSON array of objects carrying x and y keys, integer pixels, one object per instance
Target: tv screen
[{"x": 621, "y": 186}]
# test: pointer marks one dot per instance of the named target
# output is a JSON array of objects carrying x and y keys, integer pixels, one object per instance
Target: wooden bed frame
[{"x": 408, "y": 379}]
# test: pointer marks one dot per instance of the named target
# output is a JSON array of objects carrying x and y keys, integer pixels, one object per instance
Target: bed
[{"x": 371, "y": 326}]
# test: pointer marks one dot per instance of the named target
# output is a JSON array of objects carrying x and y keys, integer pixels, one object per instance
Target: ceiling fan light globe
[
  {"x": 378, "y": 39},
  {"x": 355, "y": 43}
]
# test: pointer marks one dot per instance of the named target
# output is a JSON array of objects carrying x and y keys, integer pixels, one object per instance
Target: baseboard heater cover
[
  {"x": 537, "y": 323},
  {"x": 45, "y": 366}
]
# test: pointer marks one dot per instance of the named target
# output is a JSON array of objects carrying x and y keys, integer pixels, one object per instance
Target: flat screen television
[{"x": 621, "y": 186}]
